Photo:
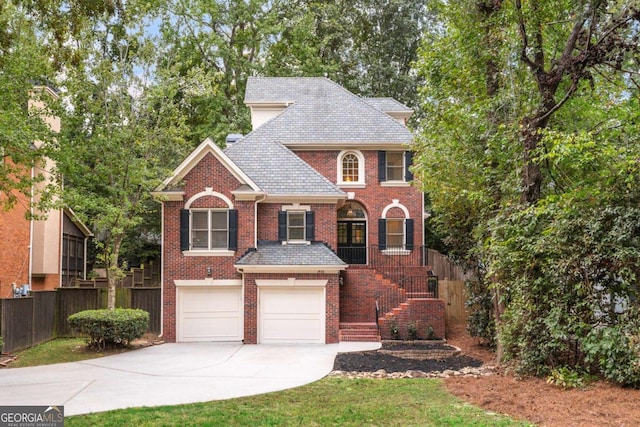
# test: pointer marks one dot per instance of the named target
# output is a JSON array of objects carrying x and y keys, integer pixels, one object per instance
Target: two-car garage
[{"x": 288, "y": 311}]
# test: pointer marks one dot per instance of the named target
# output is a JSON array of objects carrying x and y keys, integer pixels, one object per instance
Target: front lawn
[
  {"x": 328, "y": 402},
  {"x": 59, "y": 350}
]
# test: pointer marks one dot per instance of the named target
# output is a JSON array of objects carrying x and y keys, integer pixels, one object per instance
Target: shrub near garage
[{"x": 116, "y": 327}]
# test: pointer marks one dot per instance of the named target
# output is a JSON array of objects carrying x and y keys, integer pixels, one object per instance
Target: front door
[{"x": 352, "y": 241}]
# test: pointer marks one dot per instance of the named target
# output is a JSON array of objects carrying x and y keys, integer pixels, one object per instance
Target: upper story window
[
  {"x": 209, "y": 230},
  {"x": 350, "y": 169},
  {"x": 296, "y": 226},
  {"x": 394, "y": 166}
]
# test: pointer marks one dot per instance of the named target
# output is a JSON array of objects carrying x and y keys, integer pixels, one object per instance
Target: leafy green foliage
[
  {"x": 25, "y": 139},
  {"x": 615, "y": 349},
  {"x": 480, "y": 322},
  {"x": 529, "y": 156},
  {"x": 116, "y": 327},
  {"x": 566, "y": 378}
]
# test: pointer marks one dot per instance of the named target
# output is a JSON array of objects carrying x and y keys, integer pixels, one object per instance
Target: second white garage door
[
  {"x": 291, "y": 315},
  {"x": 209, "y": 314}
]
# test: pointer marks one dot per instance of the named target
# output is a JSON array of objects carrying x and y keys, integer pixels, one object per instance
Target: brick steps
[{"x": 359, "y": 332}]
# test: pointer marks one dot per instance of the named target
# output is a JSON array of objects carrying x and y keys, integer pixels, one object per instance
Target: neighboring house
[
  {"x": 40, "y": 254},
  {"x": 296, "y": 232}
]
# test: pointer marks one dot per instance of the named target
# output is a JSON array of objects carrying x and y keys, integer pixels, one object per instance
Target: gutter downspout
[
  {"x": 31, "y": 225},
  {"x": 162, "y": 234},
  {"x": 255, "y": 222}
]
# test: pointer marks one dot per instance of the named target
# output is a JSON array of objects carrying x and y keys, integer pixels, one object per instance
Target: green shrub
[
  {"x": 616, "y": 352},
  {"x": 412, "y": 331},
  {"x": 429, "y": 333},
  {"x": 566, "y": 377},
  {"x": 110, "y": 327},
  {"x": 395, "y": 331}
]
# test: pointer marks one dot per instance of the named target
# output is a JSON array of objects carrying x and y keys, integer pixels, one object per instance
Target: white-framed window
[
  {"x": 295, "y": 225},
  {"x": 351, "y": 169},
  {"x": 209, "y": 229},
  {"x": 395, "y": 166},
  {"x": 395, "y": 234}
]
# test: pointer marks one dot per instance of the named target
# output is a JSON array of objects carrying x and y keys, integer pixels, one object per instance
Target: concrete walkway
[{"x": 171, "y": 374}]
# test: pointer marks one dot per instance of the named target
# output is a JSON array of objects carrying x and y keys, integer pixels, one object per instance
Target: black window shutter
[
  {"x": 408, "y": 223},
  {"x": 382, "y": 233},
  {"x": 282, "y": 226},
  {"x": 310, "y": 226},
  {"x": 382, "y": 166},
  {"x": 184, "y": 229},
  {"x": 233, "y": 229},
  {"x": 408, "y": 162}
]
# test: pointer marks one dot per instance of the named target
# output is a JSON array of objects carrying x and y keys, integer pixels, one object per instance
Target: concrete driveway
[{"x": 170, "y": 374}]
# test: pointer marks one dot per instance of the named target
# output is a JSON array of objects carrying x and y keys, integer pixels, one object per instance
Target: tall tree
[
  {"x": 123, "y": 131},
  {"x": 368, "y": 46},
  {"x": 223, "y": 43},
  {"x": 24, "y": 137},
  {"x": 525, "y": 104}
]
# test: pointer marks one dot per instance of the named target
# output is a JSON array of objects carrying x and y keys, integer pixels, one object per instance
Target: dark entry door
[{"x": 352, "y": 241}]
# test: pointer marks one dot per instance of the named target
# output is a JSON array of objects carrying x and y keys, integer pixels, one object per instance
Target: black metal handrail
[{"x": 374, "y": 256}]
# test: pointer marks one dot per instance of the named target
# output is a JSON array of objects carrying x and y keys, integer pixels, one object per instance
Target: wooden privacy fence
[
  {"x": 453, "y": 294},
  {"x": 451, "y": 286},
  {"x": 25, "y": 322}
]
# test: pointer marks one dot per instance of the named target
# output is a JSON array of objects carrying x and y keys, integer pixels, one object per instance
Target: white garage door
[
  {"x": 291, "y": 315},
  {"x": 210, "y": 314}
]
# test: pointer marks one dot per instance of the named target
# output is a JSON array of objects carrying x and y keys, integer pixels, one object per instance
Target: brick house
[
  {"x": 40, "y": 254},
  {"x": 306, "y": 230}
]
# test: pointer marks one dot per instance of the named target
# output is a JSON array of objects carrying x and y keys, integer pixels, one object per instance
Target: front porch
[{"x": 394, "y": 293}]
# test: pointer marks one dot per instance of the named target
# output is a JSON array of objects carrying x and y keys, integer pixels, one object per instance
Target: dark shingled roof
[
  {"x": 322, "y": 112},
  {"x": 275, "y": 253},
  {"x": 277, "y": 170}
]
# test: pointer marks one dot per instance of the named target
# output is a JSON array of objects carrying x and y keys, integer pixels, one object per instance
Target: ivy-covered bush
[
  {"x": 615, "y": 350},
  {"x": 110, "y": 327},
  {"x": 567, "y": 269}
]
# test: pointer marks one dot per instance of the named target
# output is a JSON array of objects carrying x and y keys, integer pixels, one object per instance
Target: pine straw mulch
[{"x": 532, "y": 399}]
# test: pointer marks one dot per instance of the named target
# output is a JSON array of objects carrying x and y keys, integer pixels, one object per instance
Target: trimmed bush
[{"x": 110, "y": 327}]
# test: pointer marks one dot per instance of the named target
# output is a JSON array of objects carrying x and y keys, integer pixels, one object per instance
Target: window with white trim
[
  {"x": 296, "y": 226},
  {"x": 395, "y": 166},
  {"x": 395, "y": 233},
  {"x": 351, "y": 168},
  {"x": 209, "y": 229}
]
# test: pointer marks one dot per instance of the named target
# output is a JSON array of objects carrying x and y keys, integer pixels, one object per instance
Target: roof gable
[{"x": 206, "y": 147}]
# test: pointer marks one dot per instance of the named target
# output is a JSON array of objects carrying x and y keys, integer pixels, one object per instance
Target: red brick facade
[
  {"x": 375, "y": 197},
  {"x": 14, "y": 250}
]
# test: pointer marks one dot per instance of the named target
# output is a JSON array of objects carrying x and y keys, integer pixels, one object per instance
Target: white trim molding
[
  {"x": 208, "y": 191},
  {"x": 395, "y": 203}
]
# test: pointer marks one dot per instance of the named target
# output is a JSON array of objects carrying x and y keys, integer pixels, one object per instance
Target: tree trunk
[
  {"x": 113, "y": 273},
  {"x": 531, "y": 173}
]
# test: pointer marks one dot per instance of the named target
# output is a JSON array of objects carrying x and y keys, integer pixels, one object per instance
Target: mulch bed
[{"x": 372, "y": 361}]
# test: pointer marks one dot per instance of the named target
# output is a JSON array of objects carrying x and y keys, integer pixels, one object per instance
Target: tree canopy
[{"x": 530, "y": 157}]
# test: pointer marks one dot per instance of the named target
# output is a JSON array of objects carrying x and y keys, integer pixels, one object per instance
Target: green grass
[
  {"x": 60, "y": 350},
  {"x": 328, "y": 402}
]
